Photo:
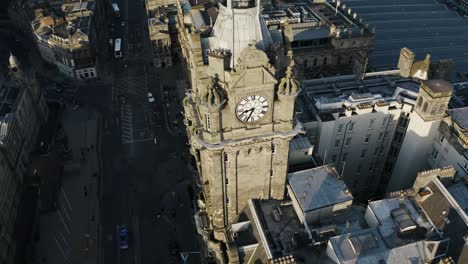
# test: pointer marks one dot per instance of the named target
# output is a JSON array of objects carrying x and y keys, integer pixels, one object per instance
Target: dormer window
[{"x": 423, "y": 194}]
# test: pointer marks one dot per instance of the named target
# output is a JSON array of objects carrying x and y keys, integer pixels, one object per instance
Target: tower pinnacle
[{"x": 14, "y": 63}]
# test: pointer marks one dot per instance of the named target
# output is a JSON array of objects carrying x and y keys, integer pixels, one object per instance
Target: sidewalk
[
  {"x": 69, "y": 235},
  {"x": 169, "y": 112}
]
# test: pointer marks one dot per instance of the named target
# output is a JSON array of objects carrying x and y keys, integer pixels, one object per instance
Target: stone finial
[
  {"x": 213, "y": 94},
  {"x": 288, "y": 85},
  {"x": 13, "y": 62},
  {"x": 428, "y": 58}
]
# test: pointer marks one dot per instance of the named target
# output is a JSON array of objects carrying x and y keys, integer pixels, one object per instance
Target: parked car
[
  {"x": 123, "y": 235},
  {"x": 151, "y": 98}
]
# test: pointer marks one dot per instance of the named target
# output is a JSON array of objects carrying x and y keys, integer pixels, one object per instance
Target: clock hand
[
  {"x": 251, "y": 112},
  {"x": 248, "y": 110}
]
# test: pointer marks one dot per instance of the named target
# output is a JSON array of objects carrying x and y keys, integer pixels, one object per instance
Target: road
[{"x": 144, "y": 186}]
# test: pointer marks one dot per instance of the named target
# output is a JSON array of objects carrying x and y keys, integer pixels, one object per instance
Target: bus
[
  {"x": 118, "y": 48},
  {"x": 116, "y": 9}
]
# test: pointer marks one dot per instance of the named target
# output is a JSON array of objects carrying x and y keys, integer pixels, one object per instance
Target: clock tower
[{"x": 240, "y": 117}]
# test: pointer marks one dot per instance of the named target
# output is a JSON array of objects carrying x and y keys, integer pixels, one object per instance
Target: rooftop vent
[
  {"x": 403, "y": 219},
  {"x": 363, "y": 243}
]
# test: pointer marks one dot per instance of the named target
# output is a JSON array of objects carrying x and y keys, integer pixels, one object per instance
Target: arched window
[
  {"x": 420, "y": 100},
  {"x": 425, "y": 107}
]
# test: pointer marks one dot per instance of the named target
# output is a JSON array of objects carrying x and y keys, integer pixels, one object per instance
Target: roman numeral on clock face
[{"x": 252, "y": 108}]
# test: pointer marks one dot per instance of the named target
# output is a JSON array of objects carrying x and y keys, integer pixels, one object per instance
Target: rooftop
[
  {"x": 78, "y": 6},
  {"x": 358, "y": 244},
  {"x": 300, "y": 143},
  {"x": 278, "y": 233},
  {"x": 461, "y": 95},
  {"x": 440, "y": 205},
  {"x": 414, "y": 24},
  {"x": 74, "y": 18},
  {"x": 400, "y": 216},
  {"x": 318, "y": 187},
  {"x": 334, "y": 92},
  {"x": 459, "y": 191},
  {"x": 270, "y": 229},
  {"x": 460, "y": 116},
  {"x": 438, "y": 86},
  {"x": 368, "y": 246},
  {"x": 310, "y": 33}
]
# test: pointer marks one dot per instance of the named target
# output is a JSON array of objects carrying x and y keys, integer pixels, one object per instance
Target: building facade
[
  {"x": 443, "y": 198},
  {"x": 239, "y": 118},
  {"x": 323, "y": 37},
  {"x": 450, "y": 146},
  {"x": 65, "y": 37},
  {"x": 319, "y": 225},
  {"x": 378, "y": 127},
  {"x": 23, "y": 110},
  {"x": 159, "y": 30},
  {"x": 422, "y": 128}
]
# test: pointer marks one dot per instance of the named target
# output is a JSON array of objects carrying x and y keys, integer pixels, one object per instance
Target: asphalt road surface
[{"x": 145, "y": 185}]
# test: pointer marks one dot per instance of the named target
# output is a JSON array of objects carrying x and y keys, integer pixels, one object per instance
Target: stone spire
[
  {"x": 288, "y": 85},
  {"x": 213, "y": 94}
]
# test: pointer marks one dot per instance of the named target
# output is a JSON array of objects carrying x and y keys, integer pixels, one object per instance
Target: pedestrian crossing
[
  {"x": 137, "y": 82},
  {"x": 126, "y": 119}
]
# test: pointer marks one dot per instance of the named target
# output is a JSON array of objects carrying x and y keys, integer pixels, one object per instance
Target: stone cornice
[{"x": 257, "y": 139}]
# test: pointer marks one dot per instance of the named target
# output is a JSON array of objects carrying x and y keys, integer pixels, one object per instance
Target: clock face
[{"x": 251, "y": 108}]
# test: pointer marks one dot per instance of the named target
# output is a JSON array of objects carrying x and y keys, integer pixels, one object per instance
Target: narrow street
[
  {"x": 141, "y": 174},
  {"x": 144, "y": 186}
]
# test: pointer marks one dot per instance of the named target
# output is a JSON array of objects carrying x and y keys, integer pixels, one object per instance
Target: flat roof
[
  {"x": 310, "y": 33},
  {"x": 280, "y": 232},
  {"x": 332, "y": 92},
  {"x": 318, "y": 187},
  {"x": 367, "y": 246},
  {"x": 352, "y": 245},
  {"x": 459, "y": 191},
  {"x": 414, "y": 24},
  {"x": 390, "y": 224}
]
